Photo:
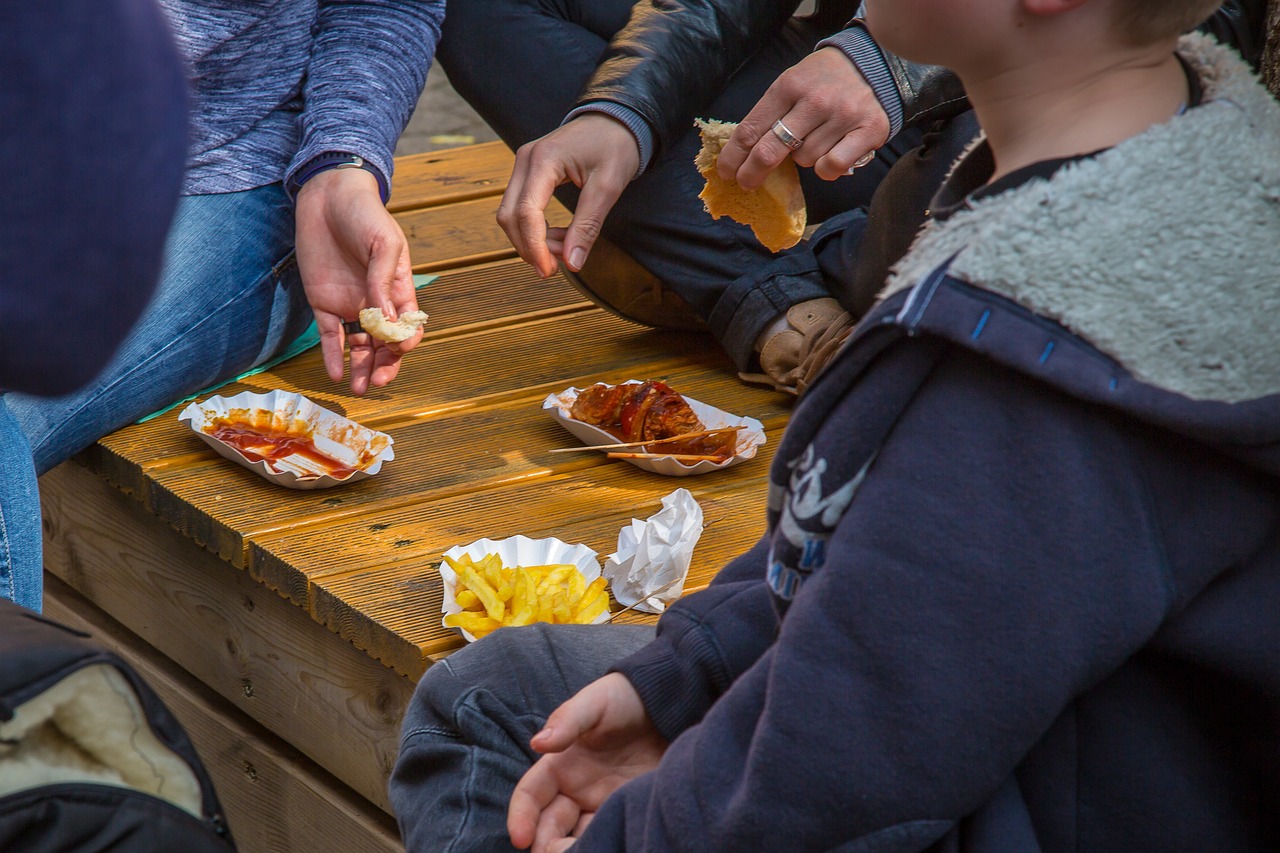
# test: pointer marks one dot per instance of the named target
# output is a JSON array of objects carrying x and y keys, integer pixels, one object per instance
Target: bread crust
[{"x": 776, "y": 211}]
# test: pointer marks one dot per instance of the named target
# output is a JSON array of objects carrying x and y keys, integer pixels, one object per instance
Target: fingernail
[{"x": 577, "y": 258}]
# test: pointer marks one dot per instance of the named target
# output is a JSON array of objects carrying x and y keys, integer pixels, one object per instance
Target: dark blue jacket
[
  {"x": 1021, "y": 581},
  {"x": 92, "y": 142}
]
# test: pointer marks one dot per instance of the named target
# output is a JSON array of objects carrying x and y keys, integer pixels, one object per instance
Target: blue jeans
[
  {"x": 464, "y": 742},
  {"x": 522, "y": 65},
  {"x": 229, "y": 298}
]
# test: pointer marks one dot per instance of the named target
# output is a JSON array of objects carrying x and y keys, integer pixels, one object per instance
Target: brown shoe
[
  {"x": 613, "y": 280},
  {"x": 796, "y": 354}
]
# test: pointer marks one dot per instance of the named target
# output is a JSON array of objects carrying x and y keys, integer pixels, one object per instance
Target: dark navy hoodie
[
  {"x": 1020, "y": 588},
  {"x": 92, "y": 141}
]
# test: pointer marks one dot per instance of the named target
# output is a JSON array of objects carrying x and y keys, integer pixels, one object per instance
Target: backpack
[{"x": 90, "y": 758}]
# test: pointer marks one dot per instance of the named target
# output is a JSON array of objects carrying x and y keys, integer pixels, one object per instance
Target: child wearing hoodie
[{"x": 1019, "y": 582}]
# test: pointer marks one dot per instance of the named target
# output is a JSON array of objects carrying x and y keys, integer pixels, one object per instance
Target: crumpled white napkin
[{"x": 653, "y": 556}]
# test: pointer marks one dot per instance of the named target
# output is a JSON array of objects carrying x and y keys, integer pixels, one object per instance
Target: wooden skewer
[
  {"x": 687, "y": 435},
  {"x": 664, "y": 588},
  {"x": 679, "y": 457}
]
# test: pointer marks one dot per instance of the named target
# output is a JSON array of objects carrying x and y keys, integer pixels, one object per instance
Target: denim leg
[
  {"x": 229, "y": 297},
  {"x": 464, "y": 742},
  {"x": 20, "y": 555}
]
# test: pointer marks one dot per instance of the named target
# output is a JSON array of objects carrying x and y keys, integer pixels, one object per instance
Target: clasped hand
[
  {"x": 591, "y": 745},
  {"x": 352, "y": 254}
]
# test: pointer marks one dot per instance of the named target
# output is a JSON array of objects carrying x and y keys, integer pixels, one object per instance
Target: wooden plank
[
  {"x": 460, "y": 234},
  {"x": 273, "y": 797},
  {"x": 461, "y": 302},
  {"x": 392, "y": 610},
  {"x": 221, "y": 505},
  {"x": 449, "y": 176},
  {"x": 265, "y": 656}
]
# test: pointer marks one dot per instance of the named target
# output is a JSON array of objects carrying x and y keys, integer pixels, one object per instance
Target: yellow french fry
[
  {"x": 468, "y": 600},
  {"x": 589, "y": 596},
  {"x": 555, "y": 575},
  {"x": 594, "y": 608},
  {"x": 560, "y": 607},
  {"x": 577, "y": 586},
  {"x": 474, "y": 623},
  {"x": 524, "y": 603},
  {"x": 487, "y": 594},
  {"x": 490, "y": 569},
  {"x": 544, "y": 609}
]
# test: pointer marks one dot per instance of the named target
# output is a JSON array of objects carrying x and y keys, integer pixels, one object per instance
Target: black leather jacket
[{"x": 674, "y": 56}]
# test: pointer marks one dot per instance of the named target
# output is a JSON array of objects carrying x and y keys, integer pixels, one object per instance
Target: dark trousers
[{"x": 522, "y": 64}]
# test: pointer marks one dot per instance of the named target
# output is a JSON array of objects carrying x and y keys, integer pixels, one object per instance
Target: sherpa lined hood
[{"x": 1163, "y": 259}]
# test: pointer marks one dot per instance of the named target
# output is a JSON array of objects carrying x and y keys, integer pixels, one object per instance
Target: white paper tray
[
  {"x": 333, "y": 435},
  {"x": 749, "y": 439},
  {"x": 516, "y": 551}
]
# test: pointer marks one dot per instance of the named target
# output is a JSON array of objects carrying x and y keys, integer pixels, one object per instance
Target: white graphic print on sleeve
[{"x": 805, "y": 522}]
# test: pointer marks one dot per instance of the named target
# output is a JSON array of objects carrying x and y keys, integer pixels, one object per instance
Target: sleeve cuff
[
  {"x": 669, "y": 684},
  {"x": 301, "y": 171},
  {"x": 633, "y": 121},
  {"x": 862, "y": 50}
]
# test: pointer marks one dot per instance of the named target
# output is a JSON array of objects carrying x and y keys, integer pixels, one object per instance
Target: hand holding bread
[{"x": 775, "y": 211}]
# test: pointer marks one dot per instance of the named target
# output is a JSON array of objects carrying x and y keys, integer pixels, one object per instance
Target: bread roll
[
  {"x": 373, "y": 321},
  {"x": 775, "y": 211}
]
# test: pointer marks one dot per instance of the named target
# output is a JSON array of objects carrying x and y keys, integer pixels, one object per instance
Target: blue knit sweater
[{"x": 276, "y": 82}]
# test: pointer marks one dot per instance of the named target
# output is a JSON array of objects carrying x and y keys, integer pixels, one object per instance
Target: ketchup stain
[{"x": 269, "y": 446}]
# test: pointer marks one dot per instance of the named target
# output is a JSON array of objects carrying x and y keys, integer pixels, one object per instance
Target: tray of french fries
[{"x": 491, "y": 584}]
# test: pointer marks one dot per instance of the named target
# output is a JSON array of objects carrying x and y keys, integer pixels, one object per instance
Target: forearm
[
  {"x": 368, "y": 66},
  {"x": 704, "y": 642},
  {"x": 673, "y": 58}
]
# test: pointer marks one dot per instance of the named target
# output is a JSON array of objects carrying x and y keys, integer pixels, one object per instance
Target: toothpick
[
  {"x": 687, "y": 435},
  {"x": 679, "y": 457}
]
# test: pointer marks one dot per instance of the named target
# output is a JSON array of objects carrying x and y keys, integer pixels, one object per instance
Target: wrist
[{"x": 335, "y": 161}]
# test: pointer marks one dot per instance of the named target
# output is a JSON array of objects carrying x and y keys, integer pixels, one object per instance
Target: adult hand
[
  {"x": 352, "y": 255},
  {"x": 594, "y": 151},
  {"x": 591, "y": 745},
  {"x": 823, "y": 100}
]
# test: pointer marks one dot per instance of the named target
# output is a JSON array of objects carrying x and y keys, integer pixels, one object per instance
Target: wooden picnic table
[{"x": 287, "y": 628}]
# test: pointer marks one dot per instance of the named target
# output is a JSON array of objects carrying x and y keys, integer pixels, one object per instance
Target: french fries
[{"x": 492, "y": 595}]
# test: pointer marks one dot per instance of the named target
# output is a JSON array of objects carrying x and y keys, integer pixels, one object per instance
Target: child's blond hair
[{"x": 1142, "y": 22}]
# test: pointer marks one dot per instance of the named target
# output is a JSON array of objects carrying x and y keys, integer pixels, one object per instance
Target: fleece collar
[{"x": 1163, "y": 252}]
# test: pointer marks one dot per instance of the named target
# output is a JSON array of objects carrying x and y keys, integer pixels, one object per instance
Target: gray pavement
[{"x": 442, "y": 120}]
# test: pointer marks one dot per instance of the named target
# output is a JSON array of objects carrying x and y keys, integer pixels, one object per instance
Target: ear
[{"x": 1050, "y": 7}]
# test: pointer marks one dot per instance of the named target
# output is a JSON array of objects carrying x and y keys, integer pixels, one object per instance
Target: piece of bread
[
  {"x": 775, "y": 211},
  {"x": 373, "y": 321}
]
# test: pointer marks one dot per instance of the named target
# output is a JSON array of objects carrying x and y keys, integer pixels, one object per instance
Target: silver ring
[
  {"x": 788, "y": 138},
  {"x": 862, "y": 161}
]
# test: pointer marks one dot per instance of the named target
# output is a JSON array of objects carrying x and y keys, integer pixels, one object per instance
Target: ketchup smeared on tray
[{"x": 270, "y": 446}]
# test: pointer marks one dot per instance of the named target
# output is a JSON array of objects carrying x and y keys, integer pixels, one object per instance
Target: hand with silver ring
[{"x": 788, "y": 138}]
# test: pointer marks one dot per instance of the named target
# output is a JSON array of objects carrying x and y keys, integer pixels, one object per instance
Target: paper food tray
[
  {"x": 333, "y": 435},
  {"x": 749, "y": 439},
  {"x": 516, "y": 551}
]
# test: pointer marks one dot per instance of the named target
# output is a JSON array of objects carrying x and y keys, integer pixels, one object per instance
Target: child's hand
[{"x": 592, "y": 744}]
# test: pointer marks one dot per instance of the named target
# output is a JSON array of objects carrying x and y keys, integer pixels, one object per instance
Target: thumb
[{"x": 570, "y": 721}]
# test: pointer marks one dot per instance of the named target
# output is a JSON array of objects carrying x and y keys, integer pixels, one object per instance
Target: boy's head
[{"x": 979, "y": 33}]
